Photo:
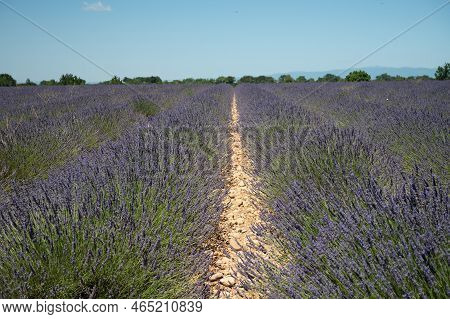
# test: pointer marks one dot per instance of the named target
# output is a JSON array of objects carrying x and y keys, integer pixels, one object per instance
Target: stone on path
[
  {"x": 235, "y": 244},
  {"x": 216, "y": 276},
  {"x": 228, "y": 281}
]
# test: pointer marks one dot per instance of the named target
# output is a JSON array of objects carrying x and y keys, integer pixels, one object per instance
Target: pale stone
[
  {"x": 235, "y": 244},
  {"x": 216, "y": 276},
  {"x": 228, "y": 281}
]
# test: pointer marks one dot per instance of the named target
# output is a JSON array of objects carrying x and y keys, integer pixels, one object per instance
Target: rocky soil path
[{"x": 240, "y": 213}]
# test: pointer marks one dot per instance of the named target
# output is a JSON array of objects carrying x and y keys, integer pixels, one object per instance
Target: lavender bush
[
  {"x": 348, "y": 220},
  {"x": 411, "y": 118},
  {"x": 128, "y": 220},
  {"x": 41, "y": 128}
]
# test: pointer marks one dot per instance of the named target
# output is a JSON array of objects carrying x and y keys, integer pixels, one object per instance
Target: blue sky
[{"x": 178, "y": 39}]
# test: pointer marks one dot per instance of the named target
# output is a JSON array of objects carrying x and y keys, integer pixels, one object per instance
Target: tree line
[
  {"x": 65, "y": 79},
  {"x": 442, "y": 73}
]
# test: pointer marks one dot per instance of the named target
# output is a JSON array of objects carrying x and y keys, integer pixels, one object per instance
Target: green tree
[
  {"x": 48, "y": 82},
  {"x": 151, "y": 80},
  {"x": 70, "y": 79},
  {"x": 188, "y": 80},
  {"x": 29, "y": 83},
  {"x": 384, "y": 77},
  {"x": 423, "y": 77},
  {"x": 7, "y": 80},
  {"x": 143, "y": 80},
  {"x": 329, "y": 78},
  {"x": 264, "y": 79},
  {"x": 114, "y": 80},
  {"x": 247, "y": 79},
  {"x": 399, "y": 78},
  {"x": 226, "y": 79},
  {"x": 443, "y": 72},
  {"x": 357, "y": 76},
  {"x": 301, "y": 79},
  {"x": 285, "y": 78},
  {"x": 258, "y": 79}
]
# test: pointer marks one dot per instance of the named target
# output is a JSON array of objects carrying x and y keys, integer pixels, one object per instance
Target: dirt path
[{"x": 239, "y": 215}]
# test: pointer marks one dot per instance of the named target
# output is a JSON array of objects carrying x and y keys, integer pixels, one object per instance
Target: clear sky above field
[{"x": 177, "y": 39}]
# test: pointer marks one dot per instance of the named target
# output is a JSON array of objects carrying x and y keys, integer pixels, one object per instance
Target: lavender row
[
  {"x": 410, "y": 118},
  {"x": 41, "y": 128},
  {"x": 128, "y": 220},
  {"x": 345, "y": 217}
]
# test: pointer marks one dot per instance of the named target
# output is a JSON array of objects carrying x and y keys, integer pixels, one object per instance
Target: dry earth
[{"x": 235, "y": 229}]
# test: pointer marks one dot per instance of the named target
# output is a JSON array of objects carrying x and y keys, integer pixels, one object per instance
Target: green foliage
[
  {"x": 329, "y": 78},
  {"x": 146, "y": 108},
  {"x": 285, "y": 78},
  {"x": 70, "y": 79},
  {"x": 193, "y": 81},
  {"x": 114, "y": 80},
  {"x": 143, "y": 80},
  {"x": 258, "y": 79},
  {"x": 48, "y": 82},
  {"x": 423, "y": 77},
  {"x": 303, "y": 79},
  {"x": 443, "y": 72},
  {"x": 264, "y": 79},
  {"x": 226, "y": 79},
  {"x": 387, "y": 77},
  {"x": 63, "y": 265},
  {"x": 28, "y": 82},
  {"x": 7, "y": 80},
  {"x": 247, "y": 79},
  {"x": 357, "y": 76},
  {"x": 399, "y": 78},
  {"x": 384, "y": 77},
  {"x": 35, "y": 157}
]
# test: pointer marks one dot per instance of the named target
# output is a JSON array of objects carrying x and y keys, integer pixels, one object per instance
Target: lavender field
[
  {"x": 355, "y": 177},
  {"x": 118, "y": 191}
]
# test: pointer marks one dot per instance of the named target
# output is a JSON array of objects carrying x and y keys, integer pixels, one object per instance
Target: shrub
[
  {"x": 226, "y": 79},
  {"x": 286, "y": 78},
  {"x": 143, "y": 80},
  {"x": 70, "y": 79},
  {"x": 48, "y": 82},
  {"x": 258, "y": 79},
  {"x": 329, "y": 78},
  {"x": 357, "y": 76},
  {"x": 443, "y": 72},
  {"x": 146, "y": 108},
  {"x": 7, "y": 80},
  {"x": 114, "y": 80}
]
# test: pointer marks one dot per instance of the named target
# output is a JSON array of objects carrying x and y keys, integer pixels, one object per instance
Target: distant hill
[{"x": 372, "y": 70}]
